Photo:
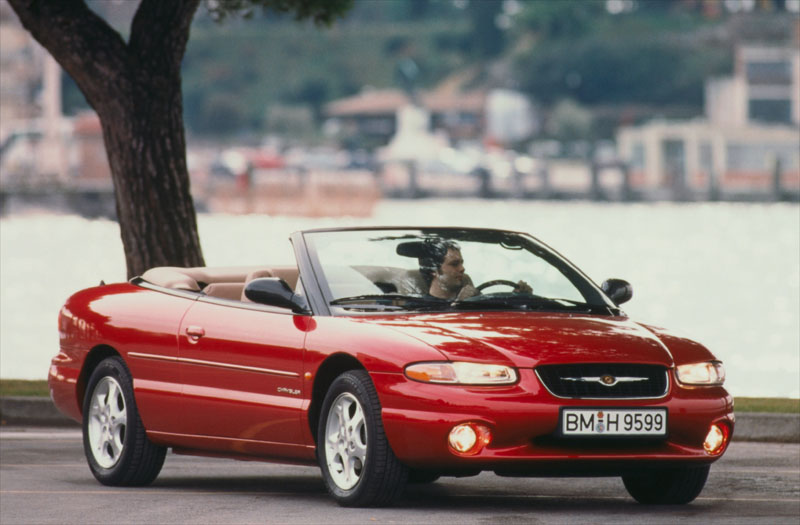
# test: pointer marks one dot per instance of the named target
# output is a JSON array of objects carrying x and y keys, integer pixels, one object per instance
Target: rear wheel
[
  {"x": 667, "y": 486},
  {"x": 358, "y": 465},
  {"x": 114, "y": 438}
]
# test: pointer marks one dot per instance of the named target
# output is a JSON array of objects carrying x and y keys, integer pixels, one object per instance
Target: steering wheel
[{"x": 496, "y": 282}]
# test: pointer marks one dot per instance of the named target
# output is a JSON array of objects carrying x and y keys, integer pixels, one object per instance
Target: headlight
[
  {"x": 461, "y": 373},
  {"x": 709, "y": 373}
]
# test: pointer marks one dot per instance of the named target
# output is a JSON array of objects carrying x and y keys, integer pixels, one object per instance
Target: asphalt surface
[{"x": 44, "y": 479}]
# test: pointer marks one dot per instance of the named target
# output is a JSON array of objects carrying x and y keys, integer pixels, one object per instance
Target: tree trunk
[
  {"x": 135, "y": 88},
  {"x": 147, "y": 153}
]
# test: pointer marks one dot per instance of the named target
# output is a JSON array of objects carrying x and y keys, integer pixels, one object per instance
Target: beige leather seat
[
  {"x": 232, "y": 291},
  {"x": 256, "y": 274},
  {"x": 404, "y": 281},
  {"x": 290, "y": 274}
]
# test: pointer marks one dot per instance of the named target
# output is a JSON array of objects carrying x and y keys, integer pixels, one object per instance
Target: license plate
[{"x": 614, "y": 422}]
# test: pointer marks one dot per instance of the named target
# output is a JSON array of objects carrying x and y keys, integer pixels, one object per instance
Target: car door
[
  {"x": 145, "y": 335},
  {"x": 241, "y": 369}
]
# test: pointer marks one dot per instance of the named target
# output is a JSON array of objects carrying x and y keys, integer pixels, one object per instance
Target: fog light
[
  {"x": 715, "y": 440},
  {"x": 469, "y": 438}
]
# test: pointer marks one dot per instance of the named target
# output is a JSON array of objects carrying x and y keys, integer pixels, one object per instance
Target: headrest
[
  {"x": 255, "y": 274},
  {"x": 429, "y": 252},
  {"x": 170, "y": 277}
]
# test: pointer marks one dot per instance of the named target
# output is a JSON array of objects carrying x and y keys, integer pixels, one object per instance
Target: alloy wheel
[
  {"x": 346, "y": 441},
  {"x": 108, "y": 420}
]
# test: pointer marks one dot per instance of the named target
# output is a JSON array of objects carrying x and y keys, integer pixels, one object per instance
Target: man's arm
[{"x": 468, "y": 290}]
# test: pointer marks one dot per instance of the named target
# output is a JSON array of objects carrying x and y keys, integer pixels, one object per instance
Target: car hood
[{"x": 530, "y": 339}]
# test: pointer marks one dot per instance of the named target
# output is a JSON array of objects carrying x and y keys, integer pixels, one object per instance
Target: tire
[
  {"x": 421, "y": 477},
  {"x": 114, "y": 439},
  {"x": 667, "y": 486},
  {"x": 357, "y": 463}
]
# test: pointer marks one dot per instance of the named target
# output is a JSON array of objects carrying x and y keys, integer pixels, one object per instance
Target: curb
[
  {"x": 750, "y": 426},
  {"x": 32, "y": 411},
  {"x": 770, "y": 428}
]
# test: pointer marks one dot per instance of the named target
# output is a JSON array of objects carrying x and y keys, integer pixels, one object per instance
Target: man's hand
[
  {"x": 467, "y": 291},
  {"x": 523, "y": 287}
]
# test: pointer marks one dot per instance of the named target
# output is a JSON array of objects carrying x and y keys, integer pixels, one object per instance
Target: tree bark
[{"x": 135, "y": 88}]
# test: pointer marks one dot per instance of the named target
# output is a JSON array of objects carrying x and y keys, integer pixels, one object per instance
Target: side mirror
[
  {"x": 275, "y": 292},
  {"x": 618, "y": 290}
]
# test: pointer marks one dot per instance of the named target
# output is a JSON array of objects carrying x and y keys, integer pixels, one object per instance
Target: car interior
[
  {"x": 230, "y": 282},
  {"x": 220, "y": 282}
]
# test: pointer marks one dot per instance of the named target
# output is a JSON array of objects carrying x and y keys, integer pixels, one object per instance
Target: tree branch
[
  {"x": 90, "y": 50},
  {"x": 159, "y": 33}
]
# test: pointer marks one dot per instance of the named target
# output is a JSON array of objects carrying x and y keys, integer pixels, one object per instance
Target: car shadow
[
  {"x": 438, "y": 496},
  {"x": 448, "y": 494},
  {"x": 443, "y": 495}
]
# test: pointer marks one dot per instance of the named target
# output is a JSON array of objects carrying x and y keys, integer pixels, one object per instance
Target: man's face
[{"x": 451, "y": 272}]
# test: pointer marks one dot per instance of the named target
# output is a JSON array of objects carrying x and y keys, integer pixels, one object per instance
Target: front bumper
[{"x": 523, "y": 419}]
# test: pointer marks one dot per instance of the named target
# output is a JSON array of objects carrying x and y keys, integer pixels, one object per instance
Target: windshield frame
[{"x": 583, "y": 283}]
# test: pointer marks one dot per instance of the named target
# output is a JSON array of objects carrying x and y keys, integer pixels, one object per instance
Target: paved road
[{"x": 44, "y": 479}]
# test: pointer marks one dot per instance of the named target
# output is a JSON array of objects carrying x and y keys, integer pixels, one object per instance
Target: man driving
[{"x": 442, "y": 267}]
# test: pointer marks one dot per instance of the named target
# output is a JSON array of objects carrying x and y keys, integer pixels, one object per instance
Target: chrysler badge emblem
[
  {"x": 605, "y": 379},
  {"x": 608, "y": 380}
]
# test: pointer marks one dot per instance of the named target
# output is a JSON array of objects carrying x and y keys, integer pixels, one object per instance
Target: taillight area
[
  {"x": 716, "y": 439},
  {"x": 468, "y": 439}
]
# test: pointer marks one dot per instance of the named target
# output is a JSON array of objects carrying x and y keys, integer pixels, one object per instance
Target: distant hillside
[{"x": 253, "y": 76}]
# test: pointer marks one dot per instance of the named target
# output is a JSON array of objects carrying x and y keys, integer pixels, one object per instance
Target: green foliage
[
  {"x": 561, "y": 19},
  {"x": 222, "y": 112},
  {"x": 487, "y": 38},
  {"x": 261, "y": 64},
  {"x": 603, "y": 70},
  {"x": 569, "y": 121},
  {"x": 767, "y": 404},
  {"x": 651, "y": 57},
  {"x": 291, "y": 121},
  {"x": 657, "y": 56},
  {"x": 24, "y": 387},
  {"x": 320, "y": 11}
]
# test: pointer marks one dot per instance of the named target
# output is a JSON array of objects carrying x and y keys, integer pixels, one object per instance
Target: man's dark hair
[{"x": 433, "y": 254}]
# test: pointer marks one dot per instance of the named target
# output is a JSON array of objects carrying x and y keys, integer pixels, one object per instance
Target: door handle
[{"x": 195, "y": 333}]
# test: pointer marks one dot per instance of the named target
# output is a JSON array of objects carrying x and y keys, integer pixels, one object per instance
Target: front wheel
[
  {"x": 358, "y": 465},
  {"x": 114, "y": 438},
  {"x": 675, "y": 486}
]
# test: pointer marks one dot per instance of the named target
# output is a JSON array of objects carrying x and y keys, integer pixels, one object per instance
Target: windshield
[{"x": 446, "y": 269}]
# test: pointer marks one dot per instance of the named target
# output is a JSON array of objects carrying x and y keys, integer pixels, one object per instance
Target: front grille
[{"x": 584, "y": 380}]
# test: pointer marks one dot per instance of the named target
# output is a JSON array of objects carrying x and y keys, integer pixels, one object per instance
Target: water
[{"x": 725, "y": 274}]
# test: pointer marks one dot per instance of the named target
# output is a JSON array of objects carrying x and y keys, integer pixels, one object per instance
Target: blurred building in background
[
  {"x": 748, "y": 142},
  {"x": 500, "y": 115},
  {"x": 39, "y": 146},
  {"x": 549, "y": 137},
  {"x": 765, "y": 88}
]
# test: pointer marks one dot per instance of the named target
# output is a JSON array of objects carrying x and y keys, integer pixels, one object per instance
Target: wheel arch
[
  {"x": 93, "y": 358},
  {"x": 330, "y": 369}
]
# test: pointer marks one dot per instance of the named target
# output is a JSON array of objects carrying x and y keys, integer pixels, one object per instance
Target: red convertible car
[{"x": 390, "y": 356}]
